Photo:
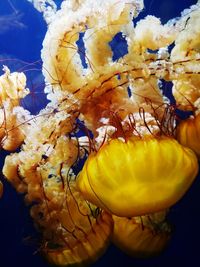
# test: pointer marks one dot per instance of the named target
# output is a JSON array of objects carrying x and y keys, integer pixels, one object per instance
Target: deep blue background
[{"x": 24, "y": 42}]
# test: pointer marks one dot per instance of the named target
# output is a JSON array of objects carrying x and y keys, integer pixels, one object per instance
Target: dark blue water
[{"x": 22, "y": 30}]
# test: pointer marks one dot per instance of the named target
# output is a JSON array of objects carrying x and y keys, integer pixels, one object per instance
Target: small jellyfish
[{"x": 139, "y": 176}]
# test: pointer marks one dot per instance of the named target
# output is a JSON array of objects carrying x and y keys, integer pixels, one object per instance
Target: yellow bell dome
[{"x": 138, "y": 177}]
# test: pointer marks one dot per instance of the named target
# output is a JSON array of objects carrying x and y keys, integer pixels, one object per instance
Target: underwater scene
[{"x": 99, "y": 133}]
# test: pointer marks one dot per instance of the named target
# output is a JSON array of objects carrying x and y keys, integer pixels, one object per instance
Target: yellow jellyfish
[
  {"x": 143, "y": 236},
  {"x": 188, "y": 133},
  {"x": 138, "y": 176},
  {"x": 80, "y": 237}
]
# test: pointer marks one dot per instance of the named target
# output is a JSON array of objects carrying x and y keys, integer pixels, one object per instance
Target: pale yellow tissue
[{"x": 150, "y": 33}]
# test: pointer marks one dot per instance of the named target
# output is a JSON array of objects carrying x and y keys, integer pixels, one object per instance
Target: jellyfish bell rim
[{"x": 97, "y": 185}]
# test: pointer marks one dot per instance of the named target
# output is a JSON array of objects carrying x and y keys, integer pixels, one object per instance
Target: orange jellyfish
[
  {"x": 138, "y": 176},
  {"x": 82, "y": 231},
  {"x": 143, "y": 236}
]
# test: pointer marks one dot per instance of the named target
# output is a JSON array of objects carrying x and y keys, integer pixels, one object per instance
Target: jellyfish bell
[
  {"x": 141, "y": 237},
  {"x": 188, "y": 133},
  {"x": 83, "y": 235},
  {"x": 82, "y": 252},
  {"x": 138, "y": 176}
]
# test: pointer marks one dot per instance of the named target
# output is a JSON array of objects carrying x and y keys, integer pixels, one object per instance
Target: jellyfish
[
  {"x": 72, "y": 230},
  {"x": 135, "y": 174},
  {"x": 143, "y": 236}
]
